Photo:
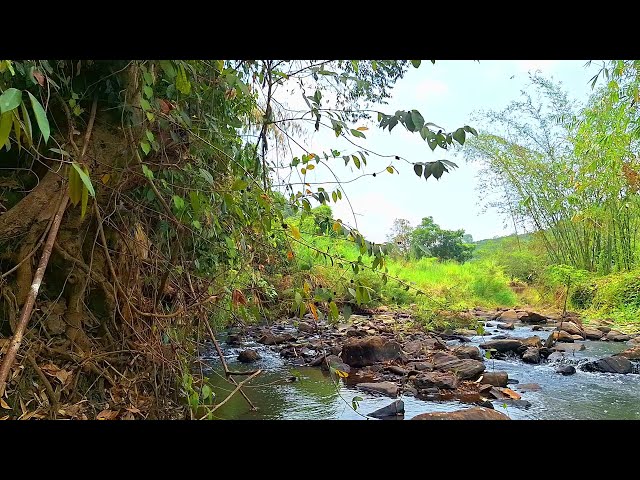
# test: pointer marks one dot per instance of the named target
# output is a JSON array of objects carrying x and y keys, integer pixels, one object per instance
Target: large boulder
[
  {"x": 593, "y": 333},
  {"x": 436, "y": 379},
  {"x": 473, "y": 413},
  {"x": 617, "y": 336},
  {"x": 506, "y": 345},
  {"x": 272, "y": 339},
  {"x": 395, "y": 409},
  {"x": 386, "y": 388},
  {"x": 562, "y": 336},
  {"x": 370, "y": 350},
  {"x": 506, "y": 326},
  {"x": 497, "y": 379},
  {"x": 531, "y": 317},
  {"x": 632, "y": 353},
  {"x": 248, "y": 356},
  {"x": 615, "y": 364},
  {"x": 566, "y": 369},
  {"x": 531, "y": 355},
  {"x": 467, "y": 352},
  {"x": 465, "y": 369},
  {"x": 635, "y": 341},
  {"x": 571, "y": 328},
  {"x": 508, "y": 316}
]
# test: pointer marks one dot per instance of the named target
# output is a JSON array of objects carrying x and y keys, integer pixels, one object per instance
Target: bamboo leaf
[
  {"x": 85, "y": 178},
  {"x": 10, "y": 99},
  {"x": 6, "y": 121},
  {"x": 41, "y": 117}
]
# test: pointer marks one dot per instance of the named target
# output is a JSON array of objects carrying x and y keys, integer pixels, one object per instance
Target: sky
[{"x": 446, "y": 93}]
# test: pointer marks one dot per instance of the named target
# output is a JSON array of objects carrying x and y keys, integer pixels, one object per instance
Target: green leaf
[
  {"x": 357, "y": 133},
  {"x": 346, "y": 312},
  {"x": 356, "y": 161},
  {"x": 150, "y": 136},
  {"x": 390, "y": 169},
  {"x": 10, "y": 99},
  {"x": 459, "y": 136},
  {"x": 75, "y": 186},
  {"x": 178, "y": 202},
  {"x": 408, "y": 122},
  {"x": 239, "y": 184},
  {"x": 471, "y": 130},
  {"x": 145, "y": 104},
  {"x": 27, "y": 122},
  {"x": 418, "y": 120},
  {"x": 147, "y": 172},
  {"x": 146, "y": 148},
  {"x": 298, "y": 298},
  {"x": 6, "y": 121},
  {"x": 417, "y": 167},
  {"x": 182, "y": 84},
  {"x": 416, "y": 63},
  {"x": 41, "y": 117},
  {"x": 333, "y": 310},
  {"x": 206, "y": 392},
  {"x": 334, "y": 195},
  {"x": 206, "y": 175},
  {"x": 85, "y": 199},
  {"x": 148, "y": 91},
  {"x": 295, "y": 232},
  {"x": 167, "y": 66},
  {"x": 85, "y": 178}
]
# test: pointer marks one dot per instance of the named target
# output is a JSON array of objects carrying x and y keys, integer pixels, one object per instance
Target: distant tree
[
  {"x": 467, "y": 238},
  {"x": 400, "y": 236},
  {"x": 428, "y": 239}
]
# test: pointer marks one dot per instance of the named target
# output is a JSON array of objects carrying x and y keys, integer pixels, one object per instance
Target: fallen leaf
[
  {"x": 6, "y": 417},
  {"x": 510, "y": 393},
  {"x": 4, "y": 404},
  {"x": 39, "y": 77},
  {"x": 314, "y": 311},
  {"x": 133, "y": 410},
  {"x": 165, "y": 106},
  {"x": 50, "y": 369},
  {"x": 105, "y": 178},
  {"x": 107, "y": 415},
  {"x": 63, "y": 376}
]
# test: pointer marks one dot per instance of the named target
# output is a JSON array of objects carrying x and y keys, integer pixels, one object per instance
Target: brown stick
[
  {"x": 25, "y": 315},
  {"x": 53, "y": 397},
  {"x": 228, "y": 373},
  {"x": 255, "y": 374}
]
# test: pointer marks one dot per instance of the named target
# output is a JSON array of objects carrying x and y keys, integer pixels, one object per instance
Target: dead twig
[{"x": 238, "y": 387}]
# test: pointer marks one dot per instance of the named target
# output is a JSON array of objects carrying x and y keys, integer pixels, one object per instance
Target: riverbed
[{"x": 284, "y": 391}]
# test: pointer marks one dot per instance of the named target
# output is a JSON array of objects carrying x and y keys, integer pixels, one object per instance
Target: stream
[{"x": 314, "y": 395}]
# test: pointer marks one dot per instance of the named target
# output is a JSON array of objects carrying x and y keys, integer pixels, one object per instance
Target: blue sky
[{"x": 447, "y": 94}]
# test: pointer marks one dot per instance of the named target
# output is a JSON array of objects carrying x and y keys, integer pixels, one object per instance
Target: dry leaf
[
  {"x": 50, "y": 369},
  {"x": 238, "y": 298},
  {"x": 63, "y": 376},
  {"x": 6, "y": 417},
  {"x": 165, "y": 107},
  {"x": 39, "y": 77},
  {"x": 314, "y": 311},
  {"x": 4, "y": 404},
  {"x": 362, "y": 129},
  {"x": 107, "y": 415},
  {"x": 510, "y": 393}
]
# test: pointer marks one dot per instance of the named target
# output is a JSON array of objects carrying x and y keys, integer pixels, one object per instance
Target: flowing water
[{"x": 314, "y": 395}]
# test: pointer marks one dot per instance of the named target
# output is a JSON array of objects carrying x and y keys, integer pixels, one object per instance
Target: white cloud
[{"x": 431, "y": 89}]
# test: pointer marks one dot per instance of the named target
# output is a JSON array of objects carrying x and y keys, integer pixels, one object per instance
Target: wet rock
[
  {"x": 529, "y": 387},
  {"x": 566, "y": 369},
  {"x": 531, "y": 317},
  {"x": 506, "y": 326},
  {"x": 513, "y": 381},
  {"x": 545, "y": 352},
  {"x": 485, "y": 388},
  {"x": 533, "y": 341},
  {"x": 509, "y": 316},
  {"x": 496, "y": 393},
  {"x": 434, "y": 344},
  {"x": 562, "y": 336},
  {"x": 335, "y": 350},
  {"x": 506, "y": 345},
  {"x": 473, "y": 413},
  {"x": 298, "y": 361},
  {"x": 335, "y": 362},
  {"x": 569, "y": 347},
  {"x": 604, "y": 329},
  {"x": 635, "y": 341},
  {"x": 617, "y": 336},
  {"x": 485, "y": 403},
  {"x": 489, "y": 324},
  {"x": 556, "y": 356},
  {"x": 536, "y": 328},
  {"x": 394, "y": 409},
  {"x": 55, "y": 325},
  {"x": 248, "y": 356},
  {"x": 616, "y": 364},
  {"x": 386, "y": 388},
  {"x": 397, "y": 370},
  {"x": 442, "y": 357},
  {"x": 409, "y": 390},
  {"x": 436, "y": 379},
  {"x": 467, "y": 352},
  {"x": 271, "y": 339},
  {"x": 532, "y": 355},
  {"x": 420, "y": 366},
  {"x": 519, "y": 403},
  {"x": 571, "y": 328},
  {"x": 306, "y": 327},
  {"x": 551, "y": 339},
  {"x": 465, "y": 369},
  {"x": 234, "y": 339},
  {"x": 497, "y": 379},
  {"x": 631, "y": 353},
  {"x": 360, "y": 353},
  {"x": 593, "y": 333}
]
